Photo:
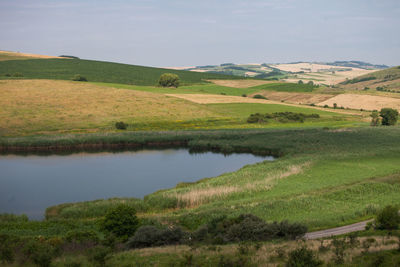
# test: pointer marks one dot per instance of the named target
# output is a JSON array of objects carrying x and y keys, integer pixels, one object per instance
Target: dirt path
[{"x": 338, "y": 230}]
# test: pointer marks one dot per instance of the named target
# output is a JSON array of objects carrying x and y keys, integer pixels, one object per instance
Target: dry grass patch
[
  {"x": 38, "y": 106},
  {"x": 240, "y": 83},
  {"x": 358, "y": 101},
  {"x": 6, "y": 55}
]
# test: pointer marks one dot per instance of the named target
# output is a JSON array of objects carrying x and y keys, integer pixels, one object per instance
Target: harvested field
[
  {"x": 37, "y": 106},
  {"x": 358, "y": 101},
  {"x": 240, "y": 83},
  {"x": 6, "y": 55},
  {"x": 295, "y": 98}
]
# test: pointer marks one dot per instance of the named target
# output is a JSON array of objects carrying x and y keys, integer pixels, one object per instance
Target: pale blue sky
[{"x": 189, "y": 33}]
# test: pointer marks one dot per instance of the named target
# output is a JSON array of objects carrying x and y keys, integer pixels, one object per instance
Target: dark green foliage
[
  {"x": 120, "y": 221},
  {"x": 149, "y": 236},
  {"x": 375, "y": 121},
  {"x": 18, "y": 74},
  {"x": 357, "y": 80},
  {"x": 389, "y": 116},
  {"x": 303, "y": 257},
  {"x": 286, "y": 87},
  {"x": 388, "y": 218},
  {"x": 334, "y": 105},
  {"x": 7, "y": 246},
  {"x": 120, "y": 125},
  {"x": 40, "y": 252},
  {"x": 300, "y": 82},
  {"x": 79, "y": 78},
  {"x": 98, "y": 255},
  {"x": 246, "y": 227},
  {"x": 259, "y": 97},
  {"x": 244, "y": 95},
  {"x": 6, "y": 217},
  {"x": 339, "y": 248},
  {"x": 280, "y": 117},
  {"x": 99, "y": 71},
  {"x": 82, "y": 236},
  {"x": 169, "y": 80}
]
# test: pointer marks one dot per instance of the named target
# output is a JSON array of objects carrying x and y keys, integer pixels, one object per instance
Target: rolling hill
[{"x": 98, "y": 71}]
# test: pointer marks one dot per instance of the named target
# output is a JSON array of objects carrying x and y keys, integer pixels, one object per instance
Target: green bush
[
  {"x": 259, "y": 97},
  {"x": 375, "y": 121},
  {"x": 120, "y": 125},
  {"x": 388, "y": 218},
  {"x": 389, "y": 116},
  {"x": 280, "y": 117},
  {"x": 40, "y": 252},
  {"x": 98, "y": 255},
  {"x": 120, "y": 221},
  {"x": 7, "y": 246},
  {"x": 169, "y": 80},
  {"x": 18, "y": 74},
  {"x": 149, "y": 236},
  {"x": 303, "y": 257},
  {"x": 79, "y": 78}
]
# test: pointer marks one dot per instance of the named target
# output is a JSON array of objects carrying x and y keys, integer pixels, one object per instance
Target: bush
[
  {"x": 7, "y": 245},
  {"x": 303, "y": 257},
  {"x": 280, "y": 117},
  {"x": 98, "y": 255},
  {"x": 120, "y": 221},
  {"x": 375, "y": 121},
  {"x": 88, "y": 236},
  {"x": 120, "y": 125},
  {"x": 389, "y": 116},
  {"x": 79, "y": 78},
  {"x": 149, "y": 236},
  {"x": 244, "y": 95},
  {"x": 18, "y": 74},
  {"x": 40, "y": 252},
  {"x": 388, "y": 218},
  {"x": 259, "y": 97},
  {"x": 169, "y": 80}
]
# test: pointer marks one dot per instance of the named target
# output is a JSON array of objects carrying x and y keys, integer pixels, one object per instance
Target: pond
[{"x": 30, "y": 184}]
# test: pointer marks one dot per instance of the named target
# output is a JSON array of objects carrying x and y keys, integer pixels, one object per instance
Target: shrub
[
  {"x": 389, "y": 116},
  {"x": 120, "y": 221},
  {"x": 18, "y": 74},
  {"x": 259, "y": 97},
  {"x": 149, "y": 236},
  {"x": 375, "y": 121},
  {"x": 98, "y": 255},
  {"x": 7, "y": 75},
  {"x": 300, "y": 82},
  {"x": 303, "y": 257},
  {"x": 79, "y": 78},
  {"x": 244, "y": 95},
  {"x": 7, "y": 244},
  {"x": 169, "y": 80},
  {"x": 39, "y": 252},
  {"x": 280, "y": 116},
  {"x": 120, "y": 125},
  {"x": 334, "y": 105},
  {"x": 326, "y": 106},
  {"x": 388, "y": 218}
]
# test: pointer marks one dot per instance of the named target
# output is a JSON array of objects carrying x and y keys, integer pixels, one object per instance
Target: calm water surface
[{"x": 30, "y": 184}]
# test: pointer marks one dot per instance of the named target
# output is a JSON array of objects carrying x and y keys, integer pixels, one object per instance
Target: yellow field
[
  {"x": 6, "y": 55},
  {"x": 40, "y": 106},
  {"x": 359, "y": 101}
]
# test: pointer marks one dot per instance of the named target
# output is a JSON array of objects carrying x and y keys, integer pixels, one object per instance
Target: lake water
[{"x": 30, "y": 184}]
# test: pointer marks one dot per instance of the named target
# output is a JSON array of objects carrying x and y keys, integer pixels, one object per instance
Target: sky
[{"x": 208, "y": 32}]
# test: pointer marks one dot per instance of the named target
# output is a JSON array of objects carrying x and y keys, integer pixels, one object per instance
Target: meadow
[{"x": 47, "y": 106}]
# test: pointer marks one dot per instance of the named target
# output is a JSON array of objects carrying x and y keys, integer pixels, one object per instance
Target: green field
[
  {"x": 99, "y": 71},
  {"x": 285, "y": 87}
]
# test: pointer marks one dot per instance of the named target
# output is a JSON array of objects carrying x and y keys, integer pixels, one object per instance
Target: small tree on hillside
[
  {"x": 169, "y": 80},
  {"x": 121, "y": 221},
  {"x": 388, "y": 218},
  {"x": 389, "y": 116},
  {"x": 375, "y": 121}
]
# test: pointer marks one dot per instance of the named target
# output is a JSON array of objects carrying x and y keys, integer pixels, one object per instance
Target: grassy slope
[
  {"x": 99, "y": 71},
  {"x": 325, "y": 178},
  {"x": 48, "y": 106}
]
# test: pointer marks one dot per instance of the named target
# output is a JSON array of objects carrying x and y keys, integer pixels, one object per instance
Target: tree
[
  {"x": 169, "y": 80},
  {"x": 375, "y": 121},
  {"x": 389, "y": 116},
  {"x": 300, "y": 82},
  {"x": 388, "y": 218},
  {"x": 121, "y": 221},
  {"x": 303, "y": 257}
]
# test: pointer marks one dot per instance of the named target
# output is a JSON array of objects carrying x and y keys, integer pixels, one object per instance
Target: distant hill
[
  {"x": 98, "y": 71},
  {"x": 357, "y": 64},
  {"x": 321, "y": 73},
  {"x": 387, "y": 80},
  {"x": 9, "y": 55}
]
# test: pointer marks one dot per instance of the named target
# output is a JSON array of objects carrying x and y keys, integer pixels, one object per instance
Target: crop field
[
  {"x": 366, "y": 102},
  {"x": 99, "y": 71},
  {"x": 285, "y": 87}
]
